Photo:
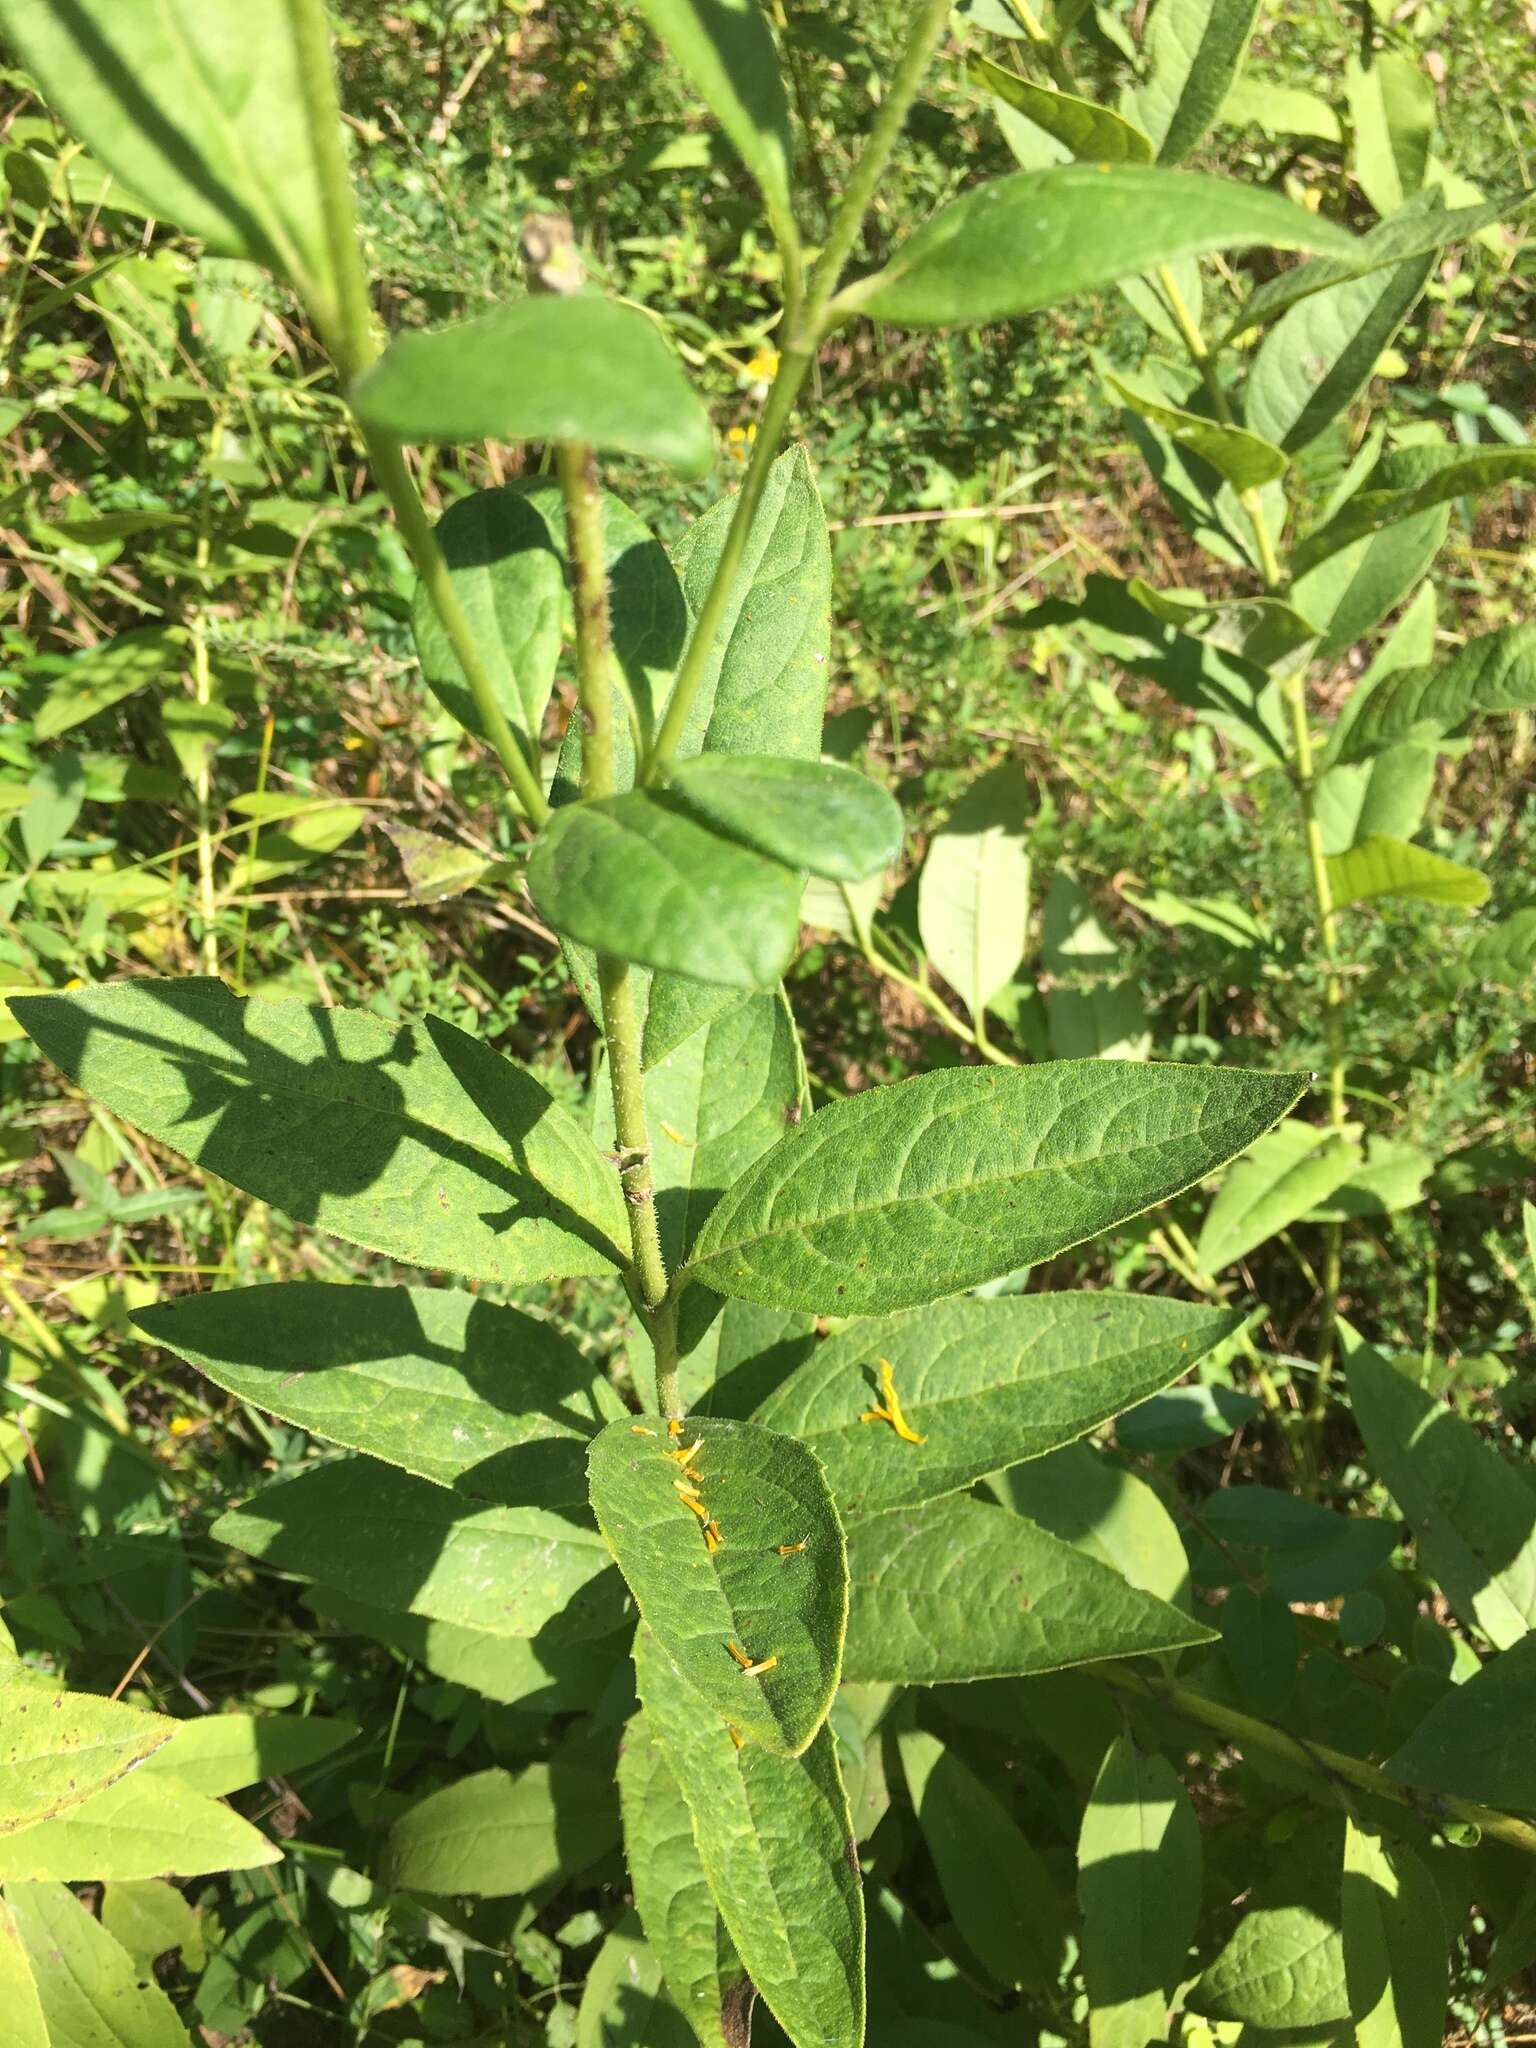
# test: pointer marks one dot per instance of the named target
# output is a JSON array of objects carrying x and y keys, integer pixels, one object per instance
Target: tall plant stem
[
  {"x": 804, "y": 332},
  {"x": 202, "y": 690}
]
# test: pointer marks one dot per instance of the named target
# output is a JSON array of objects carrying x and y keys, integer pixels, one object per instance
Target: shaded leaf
[
  {"x": 624, "y": 2003},
  {"x": 1195, "y": 49},
  {"x": 99, "y": 677},
  {"x": 1476, "y": 1743},
  {"x": 1242, "y": 459},
  {"x": 496, "y": 1835},
  {"x": 1395, "y": 1958},
  {"x": 1492, "y": 674},
  {"x": 1284, "y": 1964},
  {"x": 1138, "y": 1880},
  {"x": 1090, "y": 1500},
  {"x": 1408, "y": 482},
  {"x": 1083, "y": 128},
  {"x": 973, "y": 892}
]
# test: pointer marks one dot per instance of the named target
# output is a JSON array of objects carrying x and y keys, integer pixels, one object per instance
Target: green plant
[{"x": 843, "y": 1512}]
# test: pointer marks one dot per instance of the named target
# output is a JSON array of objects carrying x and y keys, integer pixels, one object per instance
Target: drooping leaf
[
  {"x": 81, "y": 1983},
  {"x": 148, "y": 1824},
  {"x": 1278, "y": 1180},
  {"x": 1408, "y": 482},
  {"x": 896, "y": 1197},
  {"x": 637, "y": 877},
  {"x": 1394, "y": 867},
  {"x": 1086, "y": 130},
  {"x": 58, "y": 1748},
  {"x": 1395, "y": 1958},
  {"x": 1392, "y": 110},
  {"x": 774, "y": 1837},
  {"x": 973, "y": 892},
  {"x": 984, "y": 1384},
  {"x": 497, "y": 1835},
  {"x": 1476, "y": 1743},
  {"x": 548, "y": 368},
  {"x": 456, "y": 1390},
  {"x": 1138, "y": 1881},
  {"x": 1242, "y": 459},
  {"x": 1473, "y": 1516},
  {"x": 412, "y": 1140},
  {"x": 1195, "y": 49},
  {"x": 1028, "y": 241},
  {"x": 624, "y": 2003},
  {"x": 957, "y": 1591},
  {"x": 749, "y": 1554},
  {"x": 813, "y": 815},
  {"x": 1492, "y": 674},
  {"x": 1284, "y": 1964},
  {"x": 1506, "y": 953}
]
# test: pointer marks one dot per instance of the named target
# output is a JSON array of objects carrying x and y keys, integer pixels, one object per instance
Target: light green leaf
[
  {"x": 18, "y": 1988},
  {"x": 150, "y": 1918},
  {"x": 715, "y": 1573},
  {"x": 1411, "y": 481},
  {"x": 1391, "y": 1177},
  {"x": 402, "y": 1543},
  {"x": 1222, "y": 917},
  {"x": 1284, "y": 1965},
  {"x": 896, "y": 1197},
  {"x": 549, "y": 368},
  {"x": 456, "y": 1390},
  {"x": 984, "y": 1384},
  {"x": 958, "y": 1591},
  {"x": 1392, "y": 110},
  {"x": 1087, "y": 131},
  {"x": 677, "y": 1910},
  {"x": 1138, "y": 1881},
  {"x": 1090, "y": 1500},
  {"x": 54, "y": 798},
  {"x": 624, "y": 2003},
  {"x": 813, "y": 815},
  {"x": 58, "y": 1748},
  {"x": 973, "y": 892},
  {"x": 1492, "y": 674},
  {"x": 86, "y": 1989},
  {"x": 1385, "y": 797},
  {"x": 635, "y": 876},
  {"x": 1092, "y": 1011},
  {"x": 102, "y": 676},
  {"x": 1278, "y": 110},
  {"x": 1003, "y": 1900},
  {"x": 1395, "y": 1958},
  {"x": 1241, "y": 459},
  {"x": 1393, "y": 867},
  {"x": 1476, "y": 1743},
  {"x": 496, "y": 1836},
  {"x": 1195, "y": 49},
  {"x": 413, "y": 1140},
  {"x": 1277, "y": 1181},
  {"x": 221, "y": 1753},
  {"x": 775, "y": 1839},
  {"x": 148, "y": 1824},
  {"x": 1355, "y": 589},
  {"x": 1028, "y": 241},
  {"x": 438, "y": 869},
  {"x": 1473, "y": 1515}
]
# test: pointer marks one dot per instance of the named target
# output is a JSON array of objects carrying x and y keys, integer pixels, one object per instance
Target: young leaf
[
  {"x": 983, "y": 1384},
  {"x": 1284, "y": 1965},
  {"x": 1195, "y": 49},
  {"x": 453, "y": 1389},
  {"x": 1473, "y": 1515},
  {"x": 813, "y": 815},
  {"x": 412, "y": 1140},
  {"x": 1087, "y": 131},
  {"x": 1494, "y": 673},
  {"x": 1408, "y": 482},
  {"x": 1138, "y": 1881},
  {"x": 1392, "y": 110},
  {"x": 775, "y": 1839},
  {"x": 907, "y": 1193},
  {"x": 1392, "y": 867},
  {"x": 1003, "y": 1900},
  {"x": 1033, "y": 239},
  {"x": 973, "y": 893},
  {"x": 624, "y": 2003},
  {"x": 148, "y": 1824},
  {"x": 81, "y": 1984},
  {"x": 497, "y": 1836},
  {"x": 1476, "y": 1743},
  {"x": 958, "y": 1591},
  {"x": 736, "y": 1560},
  {"x": 58, "y": 1748},
  {"x": 637, "y": 877},
  {"x": 1288, "y": 1172},
  {"x": 1241, "y": 459},
  {"x": 677, "y": 1910},
  {"x": 1395, "y": 1960},
  {"x": 550, "y": 368}
]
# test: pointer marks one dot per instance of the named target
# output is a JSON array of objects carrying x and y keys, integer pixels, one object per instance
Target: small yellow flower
[
  {"x": 764, "y": 364},
  {"x": 183, "y": 1425},
  {"x": 739, "y": 441}
]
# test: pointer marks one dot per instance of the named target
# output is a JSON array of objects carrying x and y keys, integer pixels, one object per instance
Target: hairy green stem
[{"x": 582, "y": 492}]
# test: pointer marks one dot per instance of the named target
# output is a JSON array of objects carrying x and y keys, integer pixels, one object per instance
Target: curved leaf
[
  {"x": 1412, "y": 481},
  {"x": 1493, "y": 673},
  {"x": 1243, "y": 460},
  {"x": 1393, "y": 867},
  {"x": 813, "y": 815},
  {"x": 1195, "y": 49},
  {"x": 1090, "y": 132}
]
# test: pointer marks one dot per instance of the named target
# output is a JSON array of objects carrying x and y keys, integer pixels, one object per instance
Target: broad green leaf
[
  {"x": 1284, "y": 1964},
  {"x": 1138, "y": 1882},
  {"x": 677, "y": 1909},
  {"x": 1195, "y": 49},
  {"x": 1476, "y": 1743},
  {"x": 548, "y": 368},
  {"x": 1278, "y": 110},
  {"x": 1408, "y": 482},
  {"x": 1395, "y": 1958},
  {"x": 728, "y": 55},
  {"x": 750, "y": 1554},
  {"x": 1087, "y": 131},
  {"x": 199, "y": 107},
  {"x": 624, "y": 2003},
  {"x": 58, "y": 1748},
  {"x": 1309, "y": 1552},
  {"x": 774, "y": 1837},
  {"x": 984, "y": 1384},
  {"x": 1001, "y": 1896},
  {"x": 1391, "y": 1177},
  {"x": 150, "y": 1918},
  {"x": 1385, "y": 797},
  {"x": 1090, "y": 1500},
  {"x": 898, "y": 1196},
  {"x": 1277, "y": 1181},
  {"x": 220, "y": 1753},
  {"x": 958, "y": 1591},
  {"x": 1472, "y": 1514},
  {"x": 1241, "y": 459},
  {"x": 102, "y": 676},
  {"x": 1028, "y": 241},
  {"x": 1393, "y": 867},
  {"x": 18, "y": 1988},
  {"x": 402, "y": 1543},
  {"x": 413, "y": 1140},
  {"x": 438, "y": 869},
  {"x": 1355, "y": 589},
  {"x": 637, "y": 877},
  {"x": 813, "y": 815},
  {"x": 973, "y": 892},
  {"x": 54, "y": 798},
  {"x": 149, "y": 1824},
  {"x": 1093, "y": 1011},
  {"x": 1392, "y": 110},
  {"x": 1492, "y": 674},
  {"x": 484, "y": 1399},
  {"x": 87, "y": 1989},
  {"x": 497, "y": 1836}
]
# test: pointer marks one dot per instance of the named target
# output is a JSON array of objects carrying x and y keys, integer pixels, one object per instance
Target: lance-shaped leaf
[
  {"x": 1392, "y": 110},
  {"x": 1355, "y": 589},
  {"x": 1395, "y": 1960},
  {"x": 454, "y": 1389},
  {"x": 973, "y": 893},
  {"x": 1089, "y": 132},
  {"x": 814, "y": 815},
  {"x": 1494, "y": 673},
  {"x": 413, "y": 1140},
  {"x": 1241, "y": 459},
  {"x": 1031, "y": 240},
  {"x": 1476, "y": 1742},
  {"x": 624, "y": 2001},
  {"x": 1471, "y": 1513},
  {"x": 148, "y": 1824},
  {"x": 1138, "y": 1880},
  {"x": 637, "y": 877},
  {"x": 677, "y": 1909},
  {"x": 958, "y": 1591},
  {"x": 1284, "y": 1964},
  {"x": 776, "y": 1841},
  {"x": 1287, "y": 1173},
  {"x": 1411, "y": 481},
  {"x": 984, "y": 1384},
  {"x": 99, "y": 677},
  {"x": 549, "y": 368},
  {"x": 67, "y": 1980},
  {"x": 1393, "y": 867},
  {"x": 1195, "y": 49},
  {"x": 896, "y": 1197},
  {"x": 57, "y": 1748},
  {"x": 404, "y": 1544},
  {"x": 736, "y": 1560},
  {"x": 497, "y": 1836}
]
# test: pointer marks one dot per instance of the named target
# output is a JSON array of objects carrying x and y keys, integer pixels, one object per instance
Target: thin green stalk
[{"x": 202, "y": 690}]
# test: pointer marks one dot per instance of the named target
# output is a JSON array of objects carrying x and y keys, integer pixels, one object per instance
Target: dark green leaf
[
  {"x": 1087, "y": 131},
  {"x": 1195, "y": 49},
  {"x": 1138, "y": 1881},
  {"x": 624, "y": 2003},
  {"x": 1284, "y": 1965},
  {"x": 813, "y": 815},
  {"x": 1395, "y": 1958},
  {"x": 1476, "y": 1744},
  {"x": 496, "y": 1836},
  {"x": 1491, "y": 674},
  {"x": 102, "y": 676},
  {"x": 1411, "y": 481},
  {"x": 1089, "y": 1499}
]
